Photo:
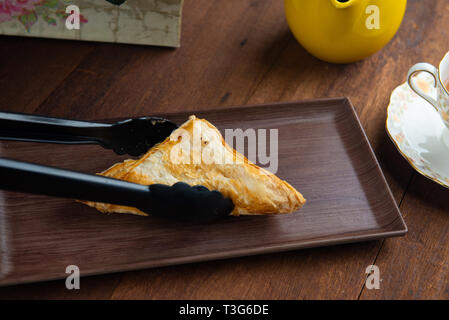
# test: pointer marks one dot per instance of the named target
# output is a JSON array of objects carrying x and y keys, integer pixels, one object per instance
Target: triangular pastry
[{"x": 196, "y": 153}]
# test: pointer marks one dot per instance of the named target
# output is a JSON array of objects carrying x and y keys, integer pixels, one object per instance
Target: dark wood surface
[
  {"x": 237, "y": 53},
  {"x": 322, "y": 151}
]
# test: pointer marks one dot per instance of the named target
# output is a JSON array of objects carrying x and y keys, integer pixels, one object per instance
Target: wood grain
[
  {"x": 234, "y": 53},
  {"x": 420, "y": 260},
  {"x": 33, "y": 68}
]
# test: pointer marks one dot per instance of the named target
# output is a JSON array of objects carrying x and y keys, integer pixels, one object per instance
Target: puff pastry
[{"x": 210, "y": 162}]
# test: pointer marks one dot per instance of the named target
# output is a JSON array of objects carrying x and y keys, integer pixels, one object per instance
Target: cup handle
[{"x": 427, "y": 67}]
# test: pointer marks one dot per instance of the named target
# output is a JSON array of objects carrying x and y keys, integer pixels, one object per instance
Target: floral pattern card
[{"x": 146, "y": 22}]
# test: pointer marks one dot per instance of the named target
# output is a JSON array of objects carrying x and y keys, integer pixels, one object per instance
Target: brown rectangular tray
[{"x": 323, "y": 152}]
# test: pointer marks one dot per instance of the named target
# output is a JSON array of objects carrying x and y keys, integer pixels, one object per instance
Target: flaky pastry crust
[{"x": 252, "y": 189}]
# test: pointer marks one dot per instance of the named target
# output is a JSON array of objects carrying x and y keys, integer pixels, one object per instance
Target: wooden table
[{"x": 236, "y": 53}]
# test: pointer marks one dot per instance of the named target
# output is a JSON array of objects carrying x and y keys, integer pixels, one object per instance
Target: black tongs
[
  {"x": 134, "y": 136},
  {"x": 131, "y": 136}
]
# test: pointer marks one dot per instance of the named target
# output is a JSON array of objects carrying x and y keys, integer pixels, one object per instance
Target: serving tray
[{"x": 323, "y": 152}]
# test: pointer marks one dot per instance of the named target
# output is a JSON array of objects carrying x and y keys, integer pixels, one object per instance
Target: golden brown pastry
[{"x": 196, "y": 153}]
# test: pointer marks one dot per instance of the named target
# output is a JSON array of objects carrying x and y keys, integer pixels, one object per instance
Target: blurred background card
[{"x": 147, "y": 22}]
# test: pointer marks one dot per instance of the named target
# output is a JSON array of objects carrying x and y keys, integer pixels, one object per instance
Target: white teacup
[{"x": 441, "y": 77}]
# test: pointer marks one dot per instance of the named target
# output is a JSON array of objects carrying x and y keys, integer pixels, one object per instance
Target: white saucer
[{"x": 418, "y": 132}]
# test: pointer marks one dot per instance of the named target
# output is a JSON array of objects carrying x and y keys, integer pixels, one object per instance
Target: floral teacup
[{"x": 441, "y": 82}]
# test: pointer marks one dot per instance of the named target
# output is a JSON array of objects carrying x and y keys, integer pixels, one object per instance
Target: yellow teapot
[{"x": 343, "y": 31}]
